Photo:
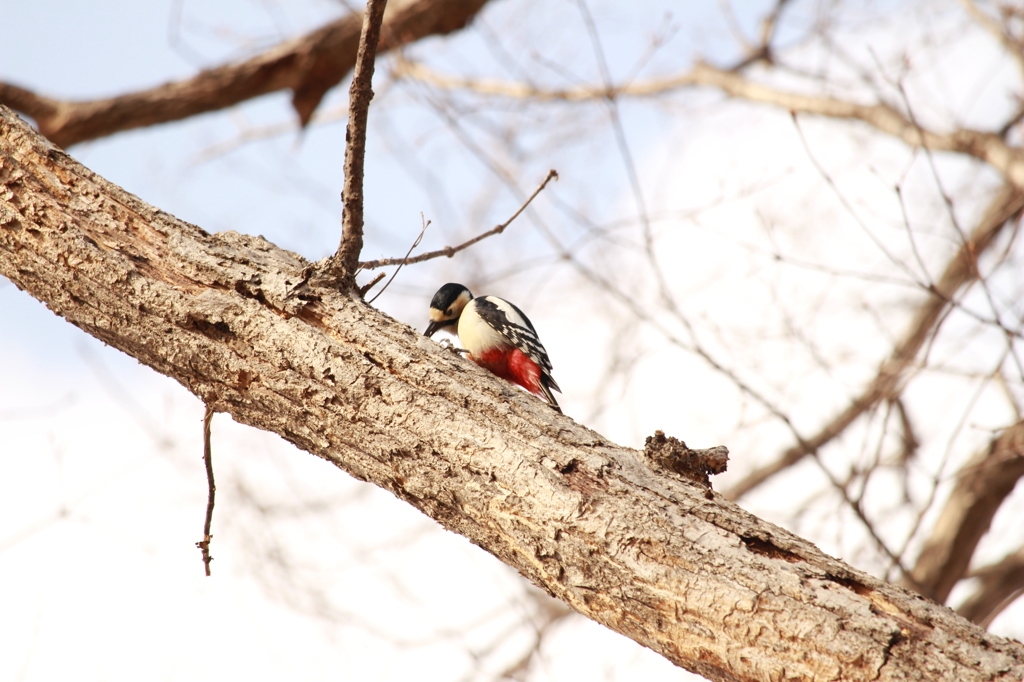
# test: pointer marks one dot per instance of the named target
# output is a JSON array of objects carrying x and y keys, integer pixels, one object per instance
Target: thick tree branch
[
  {"x": 308, "y": 66},
  {"x": 981, "y": 486},
  {"x": 643, "y": 551}
]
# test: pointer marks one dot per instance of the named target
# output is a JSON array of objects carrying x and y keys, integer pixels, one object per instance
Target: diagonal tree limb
[
  {"x": 961, "y": 271},
  {"x": 662, "y": 560},
  {"x": 981, "y": 486},
  {"x": 308, "y": 66},
  {"x": 999, "y": 585}
]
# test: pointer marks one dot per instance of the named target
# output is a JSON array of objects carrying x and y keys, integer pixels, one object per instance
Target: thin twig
[
  {"x": 346, "y": 261},
  {"x": 450, "y": 251},
  {"x": 369, "y": 285},
  {"x": 426, "y": 224},
  {"x": 204, "y": 544}
]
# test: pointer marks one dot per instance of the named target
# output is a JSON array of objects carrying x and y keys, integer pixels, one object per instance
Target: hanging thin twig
[{"x": 204, "y": 544}]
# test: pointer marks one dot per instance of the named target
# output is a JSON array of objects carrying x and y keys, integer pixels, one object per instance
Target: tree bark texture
[{"x": 633, "y": 546}]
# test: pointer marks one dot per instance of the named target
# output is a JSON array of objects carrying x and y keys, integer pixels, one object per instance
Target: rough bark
[
  {"x": 309, "y": 66},
  {"x": 640, "y": 549}
]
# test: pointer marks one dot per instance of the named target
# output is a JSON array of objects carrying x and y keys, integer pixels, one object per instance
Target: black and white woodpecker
[{"x": 498, "y": 336}]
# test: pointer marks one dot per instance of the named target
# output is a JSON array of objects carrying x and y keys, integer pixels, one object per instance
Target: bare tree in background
[
  {"x": 943, "y": 225},
  {"x": 874, "y": 396}
]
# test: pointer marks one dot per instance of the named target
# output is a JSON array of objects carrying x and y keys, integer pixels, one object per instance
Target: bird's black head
[{"x": 446, "y": 307}]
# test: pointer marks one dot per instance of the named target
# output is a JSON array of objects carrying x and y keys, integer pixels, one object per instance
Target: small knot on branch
[{"x": 672, "y": 454}]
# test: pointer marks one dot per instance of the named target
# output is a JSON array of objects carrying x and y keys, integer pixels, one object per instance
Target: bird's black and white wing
[{"x": 511, "y": 323}]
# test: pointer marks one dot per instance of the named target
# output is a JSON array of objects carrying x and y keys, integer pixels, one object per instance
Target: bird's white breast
[{"x": 475, "y": 335}]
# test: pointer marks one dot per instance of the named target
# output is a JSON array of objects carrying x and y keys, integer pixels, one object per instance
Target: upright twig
[
  {"x": 346, "y": 260},
  {"x": 204, "y": 544}
]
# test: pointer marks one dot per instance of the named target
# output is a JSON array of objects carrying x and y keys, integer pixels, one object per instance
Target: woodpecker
[{"x": 497, "y": 335}]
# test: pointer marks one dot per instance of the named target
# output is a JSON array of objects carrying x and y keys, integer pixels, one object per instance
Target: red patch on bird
[{"x": 511, "y": 364}]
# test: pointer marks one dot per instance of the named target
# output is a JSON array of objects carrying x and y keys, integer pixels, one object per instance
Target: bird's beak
[{"x": 433, "y": 327}]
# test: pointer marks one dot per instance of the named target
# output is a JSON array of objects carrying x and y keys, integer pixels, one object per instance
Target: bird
[{"x": 497, "y": 335}]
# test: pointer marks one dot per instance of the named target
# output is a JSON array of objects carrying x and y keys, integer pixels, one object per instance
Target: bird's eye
[{"x": 448, "y": 312}]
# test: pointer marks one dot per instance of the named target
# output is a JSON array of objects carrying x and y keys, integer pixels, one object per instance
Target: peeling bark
[{"x": 643, "y": 551}]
